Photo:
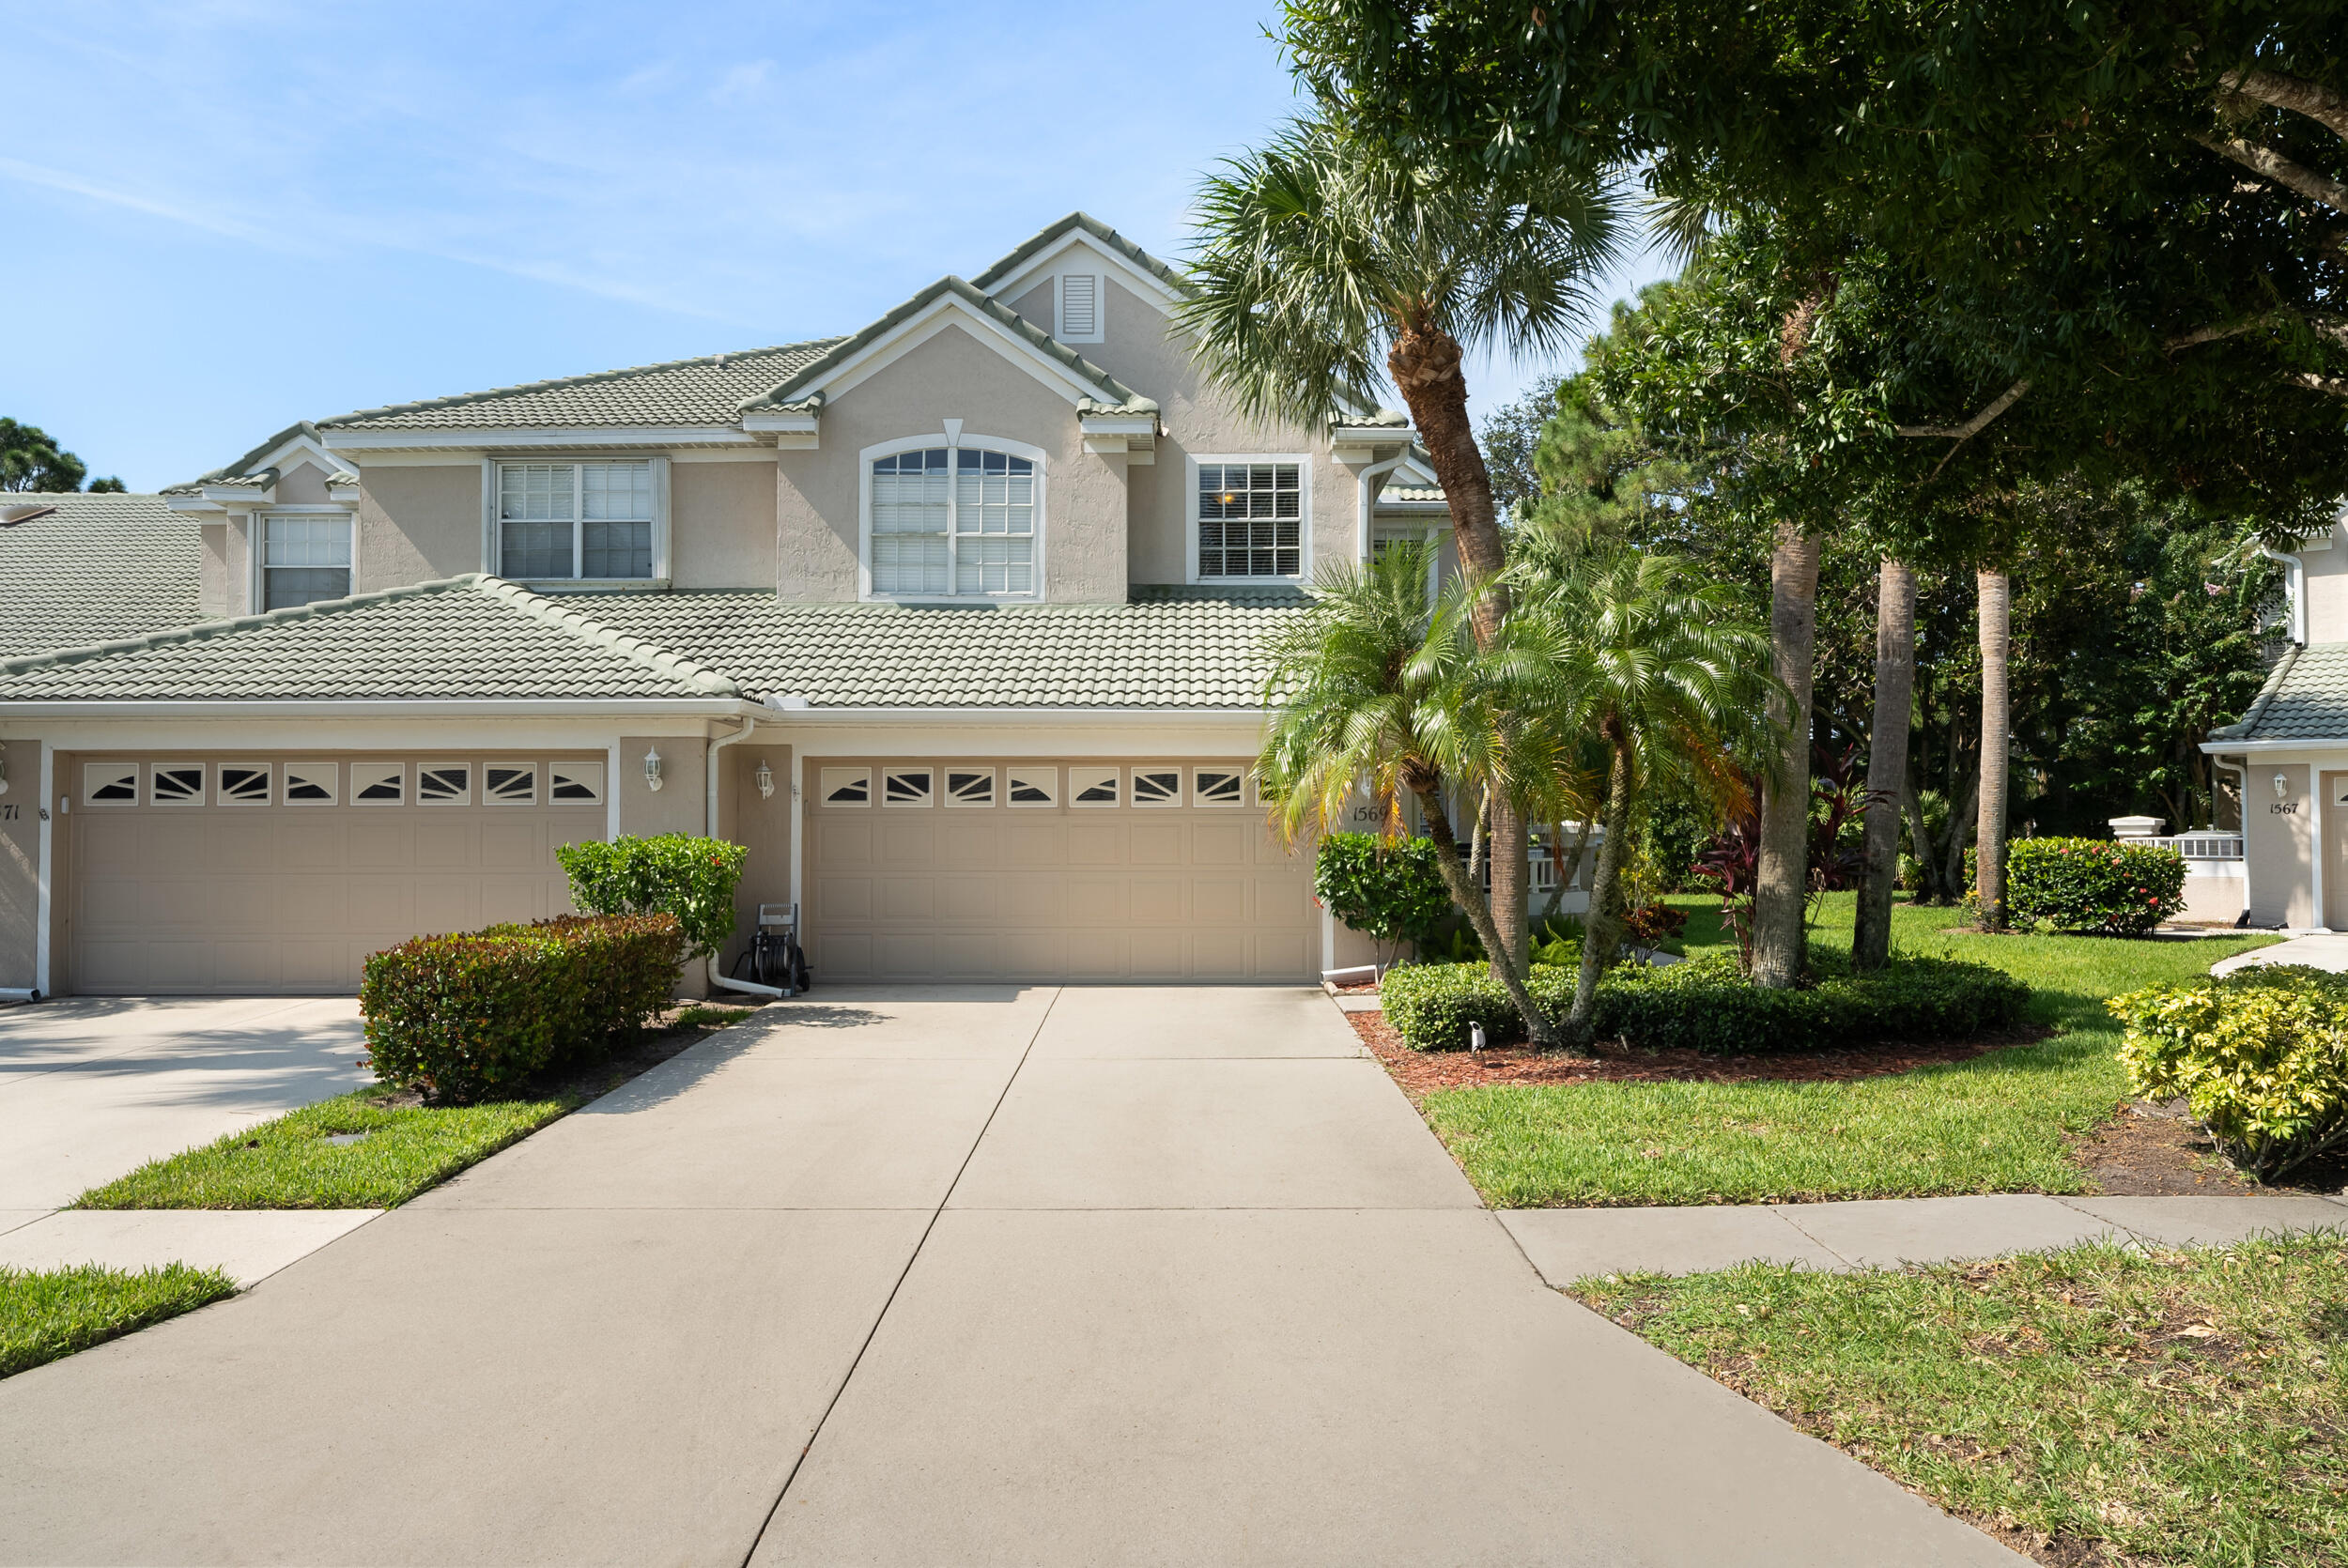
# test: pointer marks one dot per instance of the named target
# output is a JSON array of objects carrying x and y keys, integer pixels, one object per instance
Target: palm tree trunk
[
  {"x": 1782, "y": 881},
  {"x": 1470, "y": 897},
  {"x": 1601, "y": 930},
  {"x": 1990, "y": 836},
  {"x": 1424, "y": 361},
  {"x": 1887, "y": 759}
]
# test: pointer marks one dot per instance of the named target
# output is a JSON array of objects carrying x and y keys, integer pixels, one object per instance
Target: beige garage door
[
  {"x": 224, "y": 872},
  {"x": 1058, "y": 870}
]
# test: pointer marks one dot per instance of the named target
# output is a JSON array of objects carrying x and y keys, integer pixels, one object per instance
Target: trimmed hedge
[
  {"x": 2093, "y": 884},
  {"x": 479, "y": 1012},
  {"x": 672, "y": 874},
  {"x": 1391, "y": 890},
  {"x": 2261, "y": 1056},
  {"x": 1705, "y": 1005}
]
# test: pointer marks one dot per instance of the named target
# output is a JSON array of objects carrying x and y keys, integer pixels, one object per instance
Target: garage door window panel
[
  {"x": 906, "y": 786},
  {"x": 1093, "y": 787},
  {"x": 176, "y": 784},
  {"x": 445, "y": 784},
  {"x": 1216, "y": 786},
  {"x": 575, "y": 783},
  {"x": 378, "y": 783},
  {"x": 969, "y": 787},
  {"x": 310, "y": 783},
  {"x": 847, "y": 786},
  {"x": 509, "y": 784},
  {"x": 244, "y": 784},
  {"x": 110, "y": 783},
  {"x": 1033, "y": 787},
  {"x": 1157, "y": 787},
  {"x": 953, "y": 521}
]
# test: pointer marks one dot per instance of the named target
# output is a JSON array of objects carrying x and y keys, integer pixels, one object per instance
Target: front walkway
[
  {"x": 2321, "y": 950},
  {"x": 1075, "y": 1276}
]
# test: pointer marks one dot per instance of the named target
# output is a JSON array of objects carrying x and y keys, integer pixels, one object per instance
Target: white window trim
[
  {"x": 256, "y": 545},
  {"x": 954, "y": 440},
  {"x": 1059, "y": 306},
  {"x": 493, "y": 544},
  {"x": 1191, "y": 464}
]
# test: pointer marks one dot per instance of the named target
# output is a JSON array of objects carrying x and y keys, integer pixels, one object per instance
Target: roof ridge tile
[
  {"x": 587, "y": 629},
  {"x": 206, "y": 630},
  {"x": 557, "y": 383}
]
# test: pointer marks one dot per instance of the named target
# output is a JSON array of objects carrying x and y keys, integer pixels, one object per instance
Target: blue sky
[{"x": 227, "y": 215}]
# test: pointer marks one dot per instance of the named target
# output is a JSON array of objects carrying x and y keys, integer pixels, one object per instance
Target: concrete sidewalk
[
  {"x": 1568, "y": 1244},
  {"x": 2321, "y": 950},
  {"x": 948, "y": 1276}
]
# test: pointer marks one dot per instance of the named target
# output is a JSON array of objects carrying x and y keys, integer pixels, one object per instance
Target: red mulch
[{"x": 1421, "y": 1072}]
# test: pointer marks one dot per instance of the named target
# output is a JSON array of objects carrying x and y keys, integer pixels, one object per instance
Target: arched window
[{"x": 952, "y": 522}]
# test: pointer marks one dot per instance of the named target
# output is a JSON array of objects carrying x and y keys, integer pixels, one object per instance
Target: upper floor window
[
  {"x": 948, "y": 522},
  {"x": 1250, "y": 516},
  {"x": 588, "y": 521},
  {"x": 304, "y": 557}
]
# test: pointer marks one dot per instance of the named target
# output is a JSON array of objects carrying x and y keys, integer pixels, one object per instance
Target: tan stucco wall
[
  {"x": 2278, "y": 844},
  {"x": 2326, "y": 588},
  {"x": 952, "y": 375},
  {"x": 236, "y": 560},
  {"x": 1198, "y": 418},
  {"x": 417, "y": 524},
  {"x": 216, "y": 592},
  {"x": 682, "y": 804},
  {"x": 761, "y": 825},
  {"x": 304, "y": 484},
  {"x": 1037, "y": 306},
  {"x": 722, "y": 524},
  {"x": 20, "y": 864}
]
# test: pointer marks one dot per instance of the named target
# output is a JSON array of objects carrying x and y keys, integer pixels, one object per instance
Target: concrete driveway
[
  {"x": 1039, "y": 1276},
  {"x": 94, "y": 1087}
]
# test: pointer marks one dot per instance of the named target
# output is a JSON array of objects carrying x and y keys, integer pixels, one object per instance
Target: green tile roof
[
  {"x": 2305, "y": 698},
  {"x": 1170, "y": 648},
  {"x": 464, "y": 638},
  {"x": 1100, "y": 231},
  {"x": 482, "y": 638},
  {"x": 99, "y": 567},
  {"x": 705, "y": 390}
]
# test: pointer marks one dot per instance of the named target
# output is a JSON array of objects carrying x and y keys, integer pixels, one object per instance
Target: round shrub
[
  {"x": 1390, "y": 890},
  {"x": 2260, "y": 1057},
  {"x": 673, "y": 873},
  {"x": 2093, "y": 884}
]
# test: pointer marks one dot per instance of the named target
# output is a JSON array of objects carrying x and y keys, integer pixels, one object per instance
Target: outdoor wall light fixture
[
  {"x": 2282, "y": 786},
  {"x": 764, "y": 776},
  {"x": 652, "y": 770}
]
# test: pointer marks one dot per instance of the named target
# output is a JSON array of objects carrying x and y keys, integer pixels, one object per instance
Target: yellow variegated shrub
[{"x": 2260, "y": 1057}]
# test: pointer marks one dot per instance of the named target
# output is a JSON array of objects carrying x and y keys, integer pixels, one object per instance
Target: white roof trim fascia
[
  {"x": 380, "y": 707},
  {"x": 578, "y": 438},
  {"x": 916, "y": 330},
  {"x": 771, "y": 419},
  {"x": 304, "y": 445},
  {"x": 2232, "y": 748},
  {"x": 1044, "y": 263},
  {"x": 1342, "y": 434},
  {"x": 774, "y": 712},
  {"x": 250, "y": 493},
  {"x": 190, "y": 503}
]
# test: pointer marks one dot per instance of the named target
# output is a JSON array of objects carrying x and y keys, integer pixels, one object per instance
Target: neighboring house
[
  {"x": 91, "y": 568},
  {"x": 954, "y": 621},
  {"x": 2291, "y": 751}
]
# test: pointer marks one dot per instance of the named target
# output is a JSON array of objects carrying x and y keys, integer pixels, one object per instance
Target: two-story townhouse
[
  {"x": 954, "y": 621},
  {"x": 2289, "y": 753}
]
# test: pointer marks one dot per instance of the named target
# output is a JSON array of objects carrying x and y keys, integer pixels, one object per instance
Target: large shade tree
[{"x": 1321, "y": 262}]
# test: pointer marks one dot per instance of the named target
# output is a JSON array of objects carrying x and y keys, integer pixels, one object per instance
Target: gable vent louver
[{"x": 1079, "y": 305}]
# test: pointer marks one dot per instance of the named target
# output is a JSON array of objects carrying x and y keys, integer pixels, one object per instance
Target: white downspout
[
  {"x": 717, "y": 980},
  {"x": 1369, "y": 498}
]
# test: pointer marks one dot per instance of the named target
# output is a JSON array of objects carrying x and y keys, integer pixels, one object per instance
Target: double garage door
[
  {"x": 1050, "y": 870},
  {"x": 228, "y": 873}
]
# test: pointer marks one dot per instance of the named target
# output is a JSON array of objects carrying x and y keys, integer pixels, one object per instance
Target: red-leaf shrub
[{"x": 476, "y": 1013}]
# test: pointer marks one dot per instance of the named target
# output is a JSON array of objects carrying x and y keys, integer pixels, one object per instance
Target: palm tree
[
  {"x": 1375, "y": 691},
  {"x": 1996, "y": 601},
  {"x": 1316, "y": 253},
  {"x": 1661, "y": 665},
  {"x": 1887, "y": 760}
]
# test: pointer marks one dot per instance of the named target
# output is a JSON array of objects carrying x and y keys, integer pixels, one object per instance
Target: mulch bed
[
  {"x": 2157, "y": 1150},
  {"x": 1421, "y": 1072}
]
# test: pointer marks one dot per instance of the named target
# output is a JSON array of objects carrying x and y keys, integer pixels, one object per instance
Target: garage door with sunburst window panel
[{"x": 944, "y": 870}]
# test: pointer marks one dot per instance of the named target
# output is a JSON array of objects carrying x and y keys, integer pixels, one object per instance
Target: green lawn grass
[
  {"x": 287, "y": 1162},
  {"x": 55, "y": 1312},
  {"x": 2175, "y": 1408},
  {"x": 1995, "y": 1124}
]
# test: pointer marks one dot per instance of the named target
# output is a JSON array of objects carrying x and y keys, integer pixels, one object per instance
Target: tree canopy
[{"x": 30, "y": 459}]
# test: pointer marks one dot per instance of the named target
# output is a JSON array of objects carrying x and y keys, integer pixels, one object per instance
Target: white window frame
[
  {"x": 1060, "y": 329},
  {"x": 256, "y": 549},
  {"x": 1193, "y": 462},
  {"x": 953, "y": 441},
  {"x": 492, "y": 533}
]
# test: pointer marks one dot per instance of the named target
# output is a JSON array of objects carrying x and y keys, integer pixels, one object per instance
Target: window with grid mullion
[{"x": 1250, "y": 520}]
